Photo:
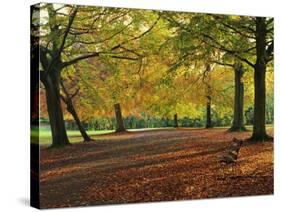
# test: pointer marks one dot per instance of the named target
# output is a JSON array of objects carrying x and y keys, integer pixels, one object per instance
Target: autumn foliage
[
  {"x": 127, "y": 70},
  {"x": 158, "y": 165}
]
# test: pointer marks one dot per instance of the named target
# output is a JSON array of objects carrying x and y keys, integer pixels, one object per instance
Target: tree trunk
[
  {"x": 238, "y": 116},
  {"x": 208, "y": 114},
  {"x": 176, "y": 125},
  {"x": 208, "y": 90},
  {"x": 119, "y": 119},
  {"x": 131, "y": 123},
  {"x": 70, "y": 108},
  {"x": 167, "y": 122},
  {"x": 59, "y": 136},
  {"x": 259, "y": 131}
]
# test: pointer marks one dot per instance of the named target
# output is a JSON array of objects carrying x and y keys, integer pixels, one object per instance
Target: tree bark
[
  {"x": 70, "y": 108},
  {"x": 167, "y": 122},
  {"x": 259, "y": 131},
  {"x": 119, "y": 119},
  {"x": 176, "y": 125},
  {"x": 208, "y": 91},
  {"x": 238, "y": 116},
  {"x": 208, "y": 112},
  {"x": 50, "y": 77},
  {"x": 51, "y": 83}
]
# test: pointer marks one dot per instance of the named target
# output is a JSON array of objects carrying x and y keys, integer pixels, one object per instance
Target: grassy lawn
[
  {"x": 75, "y": 136},
  {"x": 268, "y": 127}
]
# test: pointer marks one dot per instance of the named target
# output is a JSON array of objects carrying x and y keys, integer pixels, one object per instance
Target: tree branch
[
  {"x": 223, "y": 48},
  {"x": 233, "y": 28},
  {"x": 106, "y": 39},
  {"x": 82, "y": 57},
  {"x": 123, "y": 57},
  {"x": 137, "y": 37},
  {"x": 59, "y": 51},
  {"x": 75, "y": 93},
  {"x": 95, "y": 54},
  {"x": 63, "y": 98},
  {"x": 71, "y": 19}
]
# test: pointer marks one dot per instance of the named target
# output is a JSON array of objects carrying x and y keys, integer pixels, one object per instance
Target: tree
[
  {"x": 260, "y": 38},
  {"x": 208, "y": 92},
  {"x": 176, "y": 124},
  {"x": 153, "y": 64},
  {"x": 248, "y": 39},
  {"x": 119, "y": 119},
  {"x": 34, "y": 56},
  {"x": 50, "y": 77},
  {"x": 264, "y": 54},
  {"x": 238, "y": 102},
  {"x": 238, "y": 115},
  {"x": 67, "y": 41},
  {"x": 67, "y": 99}
]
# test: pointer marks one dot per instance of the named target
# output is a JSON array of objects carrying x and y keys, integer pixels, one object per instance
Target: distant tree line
[{"x": 133, "y": 122}]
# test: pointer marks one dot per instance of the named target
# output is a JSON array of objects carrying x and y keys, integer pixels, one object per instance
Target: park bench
[{"x": 231, "y": 153}]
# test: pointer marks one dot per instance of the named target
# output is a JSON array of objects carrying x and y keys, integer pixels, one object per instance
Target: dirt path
[{"x": 158, "y": 165}]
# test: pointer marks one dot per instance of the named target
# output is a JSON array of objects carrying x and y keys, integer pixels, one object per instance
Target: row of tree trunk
[
  {"x": 53, "y": 100},
  {"x": 238, "y": 115},
  {"x": 238, "y": 112},
  {"x": 52, "y": 65},
  {"x": 262, "y": 57}
]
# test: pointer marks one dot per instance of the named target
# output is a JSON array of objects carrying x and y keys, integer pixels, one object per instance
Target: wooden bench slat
[{"x": 231, "y": 153}]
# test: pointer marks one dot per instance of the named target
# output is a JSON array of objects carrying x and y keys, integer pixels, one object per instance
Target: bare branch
[{"x": 75, "y": 93}]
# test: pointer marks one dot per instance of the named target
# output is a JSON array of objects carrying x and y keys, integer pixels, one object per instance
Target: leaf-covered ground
[{"x": 159, "y": 165}]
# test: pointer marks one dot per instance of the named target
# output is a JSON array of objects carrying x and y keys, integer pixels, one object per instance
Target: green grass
[
  {"x": 248, "y": 127},
  {"x": 45, "y": 136},
  {"x": 268, "y": 127}
]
